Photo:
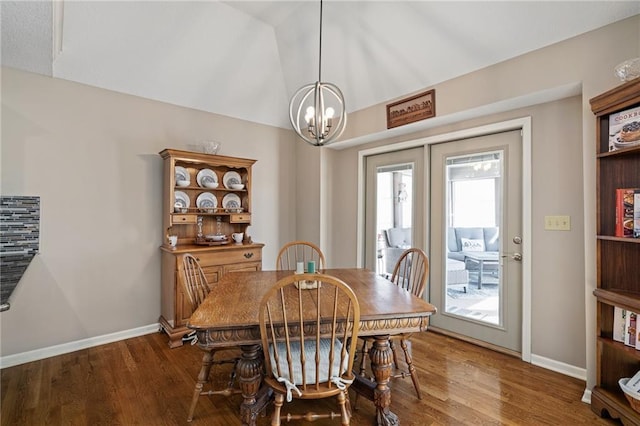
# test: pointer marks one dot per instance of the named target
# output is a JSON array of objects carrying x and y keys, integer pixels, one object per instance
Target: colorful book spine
[
  {"x": 636, "y": 214},
  {"x": 630, "y": 334},
  {"x": 619, "y": 316},
  {"x": 624, "y": 212}
]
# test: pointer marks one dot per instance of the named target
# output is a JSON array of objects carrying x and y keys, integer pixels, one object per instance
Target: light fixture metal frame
[{"x": 322, "y": 131}]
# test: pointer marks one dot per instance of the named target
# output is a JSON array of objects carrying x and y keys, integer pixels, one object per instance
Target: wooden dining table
[{"x": 228, "y": 317}]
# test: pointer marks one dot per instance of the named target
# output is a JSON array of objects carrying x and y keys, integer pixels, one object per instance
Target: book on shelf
[
  {"x": 630, "y": 329},
  {"x": 624, "y": 212},
  {"x": 619, "y": 316},
  {"x": 636, "y": 213},
  {"x": 624, "y": 129}
]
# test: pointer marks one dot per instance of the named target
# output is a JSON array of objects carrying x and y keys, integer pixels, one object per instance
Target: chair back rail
[
  {"x": 411, "y": 271},
  {"x": 299, "y": 251},
  {"x": 195, "y": 282}
]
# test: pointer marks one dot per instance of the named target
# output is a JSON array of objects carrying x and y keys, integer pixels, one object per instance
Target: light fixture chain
[{"x": 320, "y": 48}]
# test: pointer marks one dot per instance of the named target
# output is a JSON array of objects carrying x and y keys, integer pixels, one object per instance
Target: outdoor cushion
[{"x": 399, "y": 237}]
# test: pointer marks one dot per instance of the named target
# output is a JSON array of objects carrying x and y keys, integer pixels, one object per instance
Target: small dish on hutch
[{"x": 216, "y": 237}]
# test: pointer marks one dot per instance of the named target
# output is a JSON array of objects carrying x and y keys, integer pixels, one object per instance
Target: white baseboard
[
  {"x": 38, "y": 354},
  {"x": 559, "y": 367}
]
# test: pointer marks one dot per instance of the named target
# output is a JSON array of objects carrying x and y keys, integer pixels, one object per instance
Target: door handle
[{"x": 514, "y": 256}]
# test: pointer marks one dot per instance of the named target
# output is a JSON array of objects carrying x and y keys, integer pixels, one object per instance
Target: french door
[
  {"x": 394, "y": 207},
  {"x": 476, "y": 237}
]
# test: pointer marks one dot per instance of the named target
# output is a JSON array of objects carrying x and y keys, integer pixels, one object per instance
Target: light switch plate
[{"x": 557, "y": 223}]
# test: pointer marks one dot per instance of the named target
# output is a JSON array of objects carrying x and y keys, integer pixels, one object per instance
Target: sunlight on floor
[{"x": 478, "y": 308}]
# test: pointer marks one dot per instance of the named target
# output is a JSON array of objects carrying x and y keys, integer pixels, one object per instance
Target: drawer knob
[{"x": 248, "y": 255}]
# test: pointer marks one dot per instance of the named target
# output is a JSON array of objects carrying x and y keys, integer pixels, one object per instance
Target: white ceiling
[{"x": 245, "y": 59}]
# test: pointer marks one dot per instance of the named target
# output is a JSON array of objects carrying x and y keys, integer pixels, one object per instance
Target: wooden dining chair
[
  {"x": 306, "y": 335},
  {"x": 197, "y": 289},
  {"x": 299, "y": 251},
  {"x": 410, "y": 273}
]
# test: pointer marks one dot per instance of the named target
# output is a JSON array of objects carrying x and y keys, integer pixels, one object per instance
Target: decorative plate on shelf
[
  {"x": 231, "y": 201},
  {"x": 231, "y": 178},
  {"x": 206, "y": 200},
  {"x": 181, "y": 199},
  {"x": 182, "y": 173},
  {"x": 206, "y": 175}
]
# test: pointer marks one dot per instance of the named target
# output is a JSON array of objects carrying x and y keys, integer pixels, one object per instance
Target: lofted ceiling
[{"x": 245, "y": 59}]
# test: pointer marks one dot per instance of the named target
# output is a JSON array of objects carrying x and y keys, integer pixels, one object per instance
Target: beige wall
[
  {"x": 92, "y": 157},
  {"x": 563, "y": 173}
]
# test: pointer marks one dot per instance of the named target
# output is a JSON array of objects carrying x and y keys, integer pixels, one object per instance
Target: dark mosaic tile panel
[{"x": 19, "y": 240}]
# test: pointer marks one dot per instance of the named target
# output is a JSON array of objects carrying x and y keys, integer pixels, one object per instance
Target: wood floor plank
[{"x": 141, "y": 381}]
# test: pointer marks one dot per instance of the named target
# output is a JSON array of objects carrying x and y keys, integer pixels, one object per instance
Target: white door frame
[{"x": 524, "y": 124}]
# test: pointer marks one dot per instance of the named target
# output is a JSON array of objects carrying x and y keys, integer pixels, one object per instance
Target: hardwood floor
[{"x": 141, "y": 381}]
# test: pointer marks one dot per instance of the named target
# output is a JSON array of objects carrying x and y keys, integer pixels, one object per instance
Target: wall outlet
[{"x": 557, "y": 223}]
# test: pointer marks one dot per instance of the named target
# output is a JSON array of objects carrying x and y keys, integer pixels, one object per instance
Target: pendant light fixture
[{"x": 317, "y": 111}]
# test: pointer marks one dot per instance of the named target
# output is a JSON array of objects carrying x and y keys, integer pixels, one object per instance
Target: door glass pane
[
  {"x": 394, "y": 214},
  {"x": 473, "y": 209}
]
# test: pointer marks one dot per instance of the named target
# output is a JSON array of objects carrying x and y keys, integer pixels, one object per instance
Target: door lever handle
[{"x": 514, "y": 256}]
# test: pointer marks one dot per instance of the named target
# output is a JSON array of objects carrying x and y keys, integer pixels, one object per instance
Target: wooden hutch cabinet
[
  {"x": 618, "y": 258},
  {"x": 195, "y": 213}
]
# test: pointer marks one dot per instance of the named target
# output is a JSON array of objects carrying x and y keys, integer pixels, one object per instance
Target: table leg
[
  {"x": 480, "y": 272},
  {"x": 381, "y": 358},
  {"x": 249, "y": 380}
]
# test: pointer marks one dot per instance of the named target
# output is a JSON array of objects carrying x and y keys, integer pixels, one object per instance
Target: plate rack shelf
[{"x": 618, "y": 258}]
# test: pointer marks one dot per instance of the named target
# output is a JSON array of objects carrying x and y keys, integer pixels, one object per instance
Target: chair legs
[
  {"x": 412, "y": 370},
  {"x": 394, "y": 353},
  {"x": 345, "y": 410},
  {"x": 343, "y": 403},
  {"x": 364, "y": 354},
  {"x": 277, "y": 404},
  {"x": 203, "y": 377}
]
